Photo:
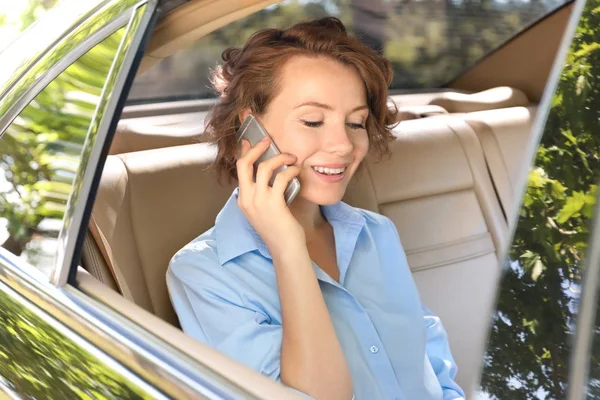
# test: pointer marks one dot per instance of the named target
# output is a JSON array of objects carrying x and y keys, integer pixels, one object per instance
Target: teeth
[{"x": 329, "y": 171}]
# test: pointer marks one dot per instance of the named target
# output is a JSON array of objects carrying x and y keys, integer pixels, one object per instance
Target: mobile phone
[{"x": 253, "y": 131}]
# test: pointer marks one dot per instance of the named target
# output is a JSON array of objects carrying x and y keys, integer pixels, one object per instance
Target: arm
[
  {"x": 202, "y": 298},
  {"x": 438, "y": 352},
  {"x": 312, "y": 360}
]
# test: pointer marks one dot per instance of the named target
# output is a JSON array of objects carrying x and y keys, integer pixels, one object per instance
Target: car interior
[{"x": 458, "y": 154}]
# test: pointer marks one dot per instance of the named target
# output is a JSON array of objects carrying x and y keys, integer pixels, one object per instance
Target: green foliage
[
  {"x": 528, "y": 351},
  {"x": 41, "y": 149},
  {"x": 39, "y": 362}
]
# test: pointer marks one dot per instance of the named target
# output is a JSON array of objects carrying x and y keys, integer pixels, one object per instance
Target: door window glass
[
  {"x": 40, "y": 154},
  {"x": 428, "y": 42}
]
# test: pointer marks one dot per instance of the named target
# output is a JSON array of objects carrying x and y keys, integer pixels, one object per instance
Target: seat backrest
[
  {"x": 145, "y": 133},
  {"x": 150, "y": 204},
  {"x": 505, "y": 136},
  {"x": 435, "y": 187},
  {"x": 491, "y": 99}
]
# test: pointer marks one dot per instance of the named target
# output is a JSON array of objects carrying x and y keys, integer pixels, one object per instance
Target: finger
[
  {"x": 245, "y": 171},
  {"x": 254, "y": 152},
  {"x": 266, "y": 169},
  {"x": 284, "y": 177},
  {"x": 244, "y": 147}
]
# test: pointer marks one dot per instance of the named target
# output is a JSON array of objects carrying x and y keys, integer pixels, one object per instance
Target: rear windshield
[{"x": 429, "y": 42}]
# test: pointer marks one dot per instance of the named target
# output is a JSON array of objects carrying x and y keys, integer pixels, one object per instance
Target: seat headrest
[{"x": 499, "y": 97}]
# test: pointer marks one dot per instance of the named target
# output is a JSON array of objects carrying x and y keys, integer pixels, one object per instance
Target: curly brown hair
[{"x": 248, "y": 79}]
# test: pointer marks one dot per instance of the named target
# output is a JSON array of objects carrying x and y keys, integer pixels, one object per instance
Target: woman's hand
[{"x": 265, "y": 206}]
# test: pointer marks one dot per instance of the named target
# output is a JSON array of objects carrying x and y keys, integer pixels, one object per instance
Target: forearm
[{"x": 312, "y": 359}]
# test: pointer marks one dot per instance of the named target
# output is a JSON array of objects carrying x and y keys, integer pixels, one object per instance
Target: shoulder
[
  {"x": 375, "y": 221},
  {"x": 382, "y": 230},
  {"x": 197, "y": 262}
]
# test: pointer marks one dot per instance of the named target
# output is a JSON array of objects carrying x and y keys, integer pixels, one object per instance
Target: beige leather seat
[
  {"x": 149, "y": 204},
  {"x": 490, "y": 99},
  {"x": 136, "y": 134},
  {"x": 506, "y": 137},
  {"x": 435, "y": 187}
]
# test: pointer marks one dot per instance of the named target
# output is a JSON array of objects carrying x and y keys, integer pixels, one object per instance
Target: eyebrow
[{"x": 328, "y": 107}]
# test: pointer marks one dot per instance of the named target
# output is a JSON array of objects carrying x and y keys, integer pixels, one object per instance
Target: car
[{"x": 491, "y": 183}]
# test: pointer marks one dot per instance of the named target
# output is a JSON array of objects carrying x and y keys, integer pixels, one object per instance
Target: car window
[
  {"x": 40, "y": 153},
  {"x": 428, "y": 42},
  {"x": 534, "y": 324}
]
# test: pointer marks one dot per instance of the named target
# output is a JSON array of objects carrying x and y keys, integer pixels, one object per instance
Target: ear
[{"x": 244, "y": 113}]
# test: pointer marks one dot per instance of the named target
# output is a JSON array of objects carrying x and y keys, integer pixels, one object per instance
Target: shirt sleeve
[
  {"x": 211, "y": 310},
  {"x": 438, "y": 352}
]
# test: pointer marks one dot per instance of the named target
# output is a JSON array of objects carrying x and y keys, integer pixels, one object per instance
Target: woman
[{"x": 317, "y": 295}]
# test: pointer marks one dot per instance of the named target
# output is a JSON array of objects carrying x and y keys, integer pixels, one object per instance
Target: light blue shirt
[{"x": 224, "y": 290}]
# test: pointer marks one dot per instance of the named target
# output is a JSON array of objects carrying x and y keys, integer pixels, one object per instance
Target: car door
[
  {"x": 543, "y": 341},
  {"x": 60, "y": 88}
]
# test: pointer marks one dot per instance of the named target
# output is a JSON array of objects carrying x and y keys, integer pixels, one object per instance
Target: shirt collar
[{"x": 236, "y": 236}]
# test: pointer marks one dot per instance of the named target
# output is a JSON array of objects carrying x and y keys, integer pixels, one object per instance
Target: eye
[
  {"x": 355, "y": 126},
  {"x": 312, "y": 124}
]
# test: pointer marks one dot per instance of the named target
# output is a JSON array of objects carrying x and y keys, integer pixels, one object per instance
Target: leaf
[
  {"x": 557, "y": 189},
  {"x": 537, "y": 178},
  {"x": 571, "y": 208}
]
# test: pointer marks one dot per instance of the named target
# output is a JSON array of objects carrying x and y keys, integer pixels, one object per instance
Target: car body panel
[{"x": 41, "y": 359}]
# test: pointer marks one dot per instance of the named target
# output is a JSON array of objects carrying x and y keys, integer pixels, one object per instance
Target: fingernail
[{"x": 264, "y": 139}]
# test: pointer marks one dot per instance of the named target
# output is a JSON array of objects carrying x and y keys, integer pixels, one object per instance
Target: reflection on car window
[
  {"x": 428, "y": 42},
  {"x": 17, "y": 16},
  {"x": 534, "y": 324},
  {"x": 41, "y": 362},
  {"x": 40, "y": 153}
]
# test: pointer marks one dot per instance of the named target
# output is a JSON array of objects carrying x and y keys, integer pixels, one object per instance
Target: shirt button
[{"x": 374, "y": 349}]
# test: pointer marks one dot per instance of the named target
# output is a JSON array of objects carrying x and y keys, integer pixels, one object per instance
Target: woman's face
[{"x": 319, "y": 116}]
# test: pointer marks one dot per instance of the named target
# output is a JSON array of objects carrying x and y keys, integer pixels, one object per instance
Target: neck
[{"x": 308, "y": 215}]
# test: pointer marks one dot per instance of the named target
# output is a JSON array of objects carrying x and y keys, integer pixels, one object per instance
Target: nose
[{"x": 338, "y": 141}]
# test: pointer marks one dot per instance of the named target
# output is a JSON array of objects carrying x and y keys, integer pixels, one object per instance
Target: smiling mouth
[{"x": 329, "y": 171}]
